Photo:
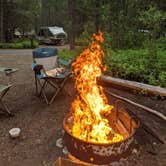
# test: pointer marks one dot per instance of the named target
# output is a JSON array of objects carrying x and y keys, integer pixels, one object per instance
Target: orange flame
[{"x": 91, "y": 104}]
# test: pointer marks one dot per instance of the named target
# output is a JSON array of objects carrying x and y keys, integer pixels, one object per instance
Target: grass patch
[{"x": 20, "y": 44}]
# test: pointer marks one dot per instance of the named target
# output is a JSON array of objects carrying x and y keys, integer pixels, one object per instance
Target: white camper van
[{"x": 52, "y": 35}]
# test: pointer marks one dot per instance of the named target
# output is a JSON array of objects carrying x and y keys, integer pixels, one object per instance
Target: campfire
[{"x": 95, "y": 132}]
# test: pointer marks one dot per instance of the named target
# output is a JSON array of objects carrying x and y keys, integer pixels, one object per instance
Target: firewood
[{"x": 159, "y": 114}]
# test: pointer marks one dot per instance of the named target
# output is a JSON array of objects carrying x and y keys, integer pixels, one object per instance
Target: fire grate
[{"x": 104, "y": 153}]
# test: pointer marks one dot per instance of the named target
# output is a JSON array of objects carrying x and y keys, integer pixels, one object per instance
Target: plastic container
[{"x": 15, "y": 132}]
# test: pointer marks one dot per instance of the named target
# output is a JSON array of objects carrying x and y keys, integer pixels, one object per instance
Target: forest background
[{"x": 134, "y": 31}]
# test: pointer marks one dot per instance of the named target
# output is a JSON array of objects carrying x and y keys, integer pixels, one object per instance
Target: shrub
[
  {"x": 69, "y": 54},
  {"x": 23, "y": 43},
  {"x": 133, "y": 65},
  {"x": 130, "y": 64},
  {"x": 161, "y": 43},
  {"x": 162, "y": 78}
]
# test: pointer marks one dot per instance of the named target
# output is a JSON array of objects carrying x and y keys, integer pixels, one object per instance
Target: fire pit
[
  {"x": 96, "y": 132},
  {"x": 103, "y": 153}
]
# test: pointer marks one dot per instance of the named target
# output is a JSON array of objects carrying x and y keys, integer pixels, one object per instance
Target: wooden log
[
  {"x": 159, "y": 114},
  {"x": 133, "y": 85},
  {"x": 146, "y": 127}
]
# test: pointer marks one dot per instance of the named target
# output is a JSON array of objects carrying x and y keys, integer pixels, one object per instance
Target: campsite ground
[{"x": 41, "y": 125}]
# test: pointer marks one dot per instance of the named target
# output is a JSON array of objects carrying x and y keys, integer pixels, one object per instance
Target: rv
[{"x": 52, "y": 35}]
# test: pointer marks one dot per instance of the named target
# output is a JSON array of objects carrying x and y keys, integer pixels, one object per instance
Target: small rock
[
  {"x": 45, "y": 163},
  {"x": 65, "y": 151},
  {"x": 38, "y": 141},
  {"x": 134, "y": 151},
  {"x": 9, "y": 159},
  {"x": 122, "y": 160},
  {"x": 63, "y": 132},
  {"x": 114, "y": 164},
  {"x": 59, "y": 143},
  {"x": 154, "y": 143}
]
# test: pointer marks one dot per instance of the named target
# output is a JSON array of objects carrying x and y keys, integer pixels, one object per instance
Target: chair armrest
[
  {"x": 37, "y": 68},
  {"x": 65, "y": 63}
]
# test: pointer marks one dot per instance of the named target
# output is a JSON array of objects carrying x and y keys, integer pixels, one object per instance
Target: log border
[{"x": 133, "y": 85}]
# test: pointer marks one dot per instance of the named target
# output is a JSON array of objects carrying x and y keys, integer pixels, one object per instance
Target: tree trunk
[
  {"x": 97, "y": 16},
  {"x": 44, "y": 13},
  {"x": 7, "y": 20},
  {"x": 1, "y": 20},
  {"x": 71, "y": 9}
]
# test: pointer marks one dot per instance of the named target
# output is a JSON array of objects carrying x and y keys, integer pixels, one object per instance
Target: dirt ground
[{"x": 41, "y": 125}]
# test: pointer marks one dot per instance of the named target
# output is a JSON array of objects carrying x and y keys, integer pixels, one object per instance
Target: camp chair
[
  {"x": 48, "y": 71},
  {"x": 3, "y": 91}
]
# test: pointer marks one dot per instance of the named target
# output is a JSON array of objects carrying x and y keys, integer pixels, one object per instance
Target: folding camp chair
[
  {"x": 3, "y": 91},
  {"x": 48, "y": 72}
]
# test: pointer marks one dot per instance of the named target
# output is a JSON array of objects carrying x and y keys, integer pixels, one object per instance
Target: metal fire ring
[{"x": 103, "y": 153}]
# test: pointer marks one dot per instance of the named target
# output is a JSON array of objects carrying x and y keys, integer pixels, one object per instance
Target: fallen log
[
  {"x": 133, "y": 85},
  {"x": 146, "y": 128},
  {"x": 159, "y": 114}
]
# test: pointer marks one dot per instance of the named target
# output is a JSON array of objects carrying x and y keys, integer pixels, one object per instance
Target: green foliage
[
  {"x": 85, "y": 37},
  {"x": 161, "y": 43},
  {"x": 69, "y": 54},
  {"x": 162, "y": 78},
  {"x": 107, "y": 41},
  {"x": 134, "y": 39},
  {"x": 27, "y": 13},
  {"x": 130, "y": 64},
  {"x": 152, "y": 18},
  {"x": 80, "y": 18},
  {"x": 133, "y": 65},
  {"x": 19, "y": 44},
  {"x": 121, "y": 22},
  {"x": 131, "y": 40}
]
